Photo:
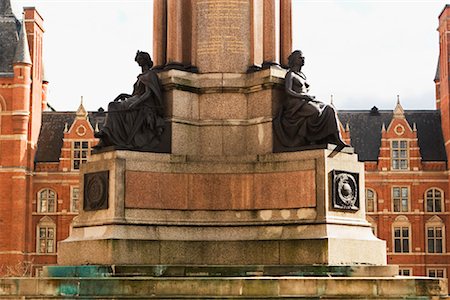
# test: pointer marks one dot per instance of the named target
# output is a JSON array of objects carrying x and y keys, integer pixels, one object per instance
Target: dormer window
[
  {"x": 80, "y": 153},
  {"x": 399, "y": 155}
]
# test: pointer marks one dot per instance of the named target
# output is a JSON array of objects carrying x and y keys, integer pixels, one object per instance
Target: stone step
[
  {"x": 219, "y": 271},
  {"x": 224, "y": 288}
]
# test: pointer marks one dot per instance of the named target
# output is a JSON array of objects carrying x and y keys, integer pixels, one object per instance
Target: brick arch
[{"x": 2, "y": 103}]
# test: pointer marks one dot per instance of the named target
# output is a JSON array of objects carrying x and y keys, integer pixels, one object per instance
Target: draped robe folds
[
  {"x": 302, "y": 121},
  {"x": 140, "y": 126}
]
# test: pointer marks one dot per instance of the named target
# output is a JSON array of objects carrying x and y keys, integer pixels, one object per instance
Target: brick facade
[{"x": 40, "y": 152}]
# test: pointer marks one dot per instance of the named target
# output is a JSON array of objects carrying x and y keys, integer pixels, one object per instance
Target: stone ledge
[
  {"x": 223, "y": 82},
  {"x": 218, "y": 271},
  {"x": 263, "y": 163},
  {"x": 225, "y": 288},
  {"x": 95, "y": 250}
]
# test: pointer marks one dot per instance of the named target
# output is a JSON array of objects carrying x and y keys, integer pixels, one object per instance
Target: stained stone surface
[
  {"x": 262, "y": 287},
  {"x": 222, "y": 113},
  {"x": 221, "y": 35}
]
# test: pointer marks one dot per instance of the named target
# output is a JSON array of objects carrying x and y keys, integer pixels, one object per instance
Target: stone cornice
[{"x": 222, "y": 82}]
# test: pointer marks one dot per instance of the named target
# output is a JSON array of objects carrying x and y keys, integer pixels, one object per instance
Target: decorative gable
[
  {"x": 78, "y": 141},
  {"x": 399, "y": 144}
]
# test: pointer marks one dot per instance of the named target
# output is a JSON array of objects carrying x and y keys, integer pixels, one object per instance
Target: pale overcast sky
[{"x": 362, "y": 52}]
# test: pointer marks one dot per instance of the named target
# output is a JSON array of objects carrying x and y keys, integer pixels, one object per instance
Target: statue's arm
[
  {"x": 122, "y": 96},
  {"x": 288, "y": 83},
  {"x": 141, "y": 98}
]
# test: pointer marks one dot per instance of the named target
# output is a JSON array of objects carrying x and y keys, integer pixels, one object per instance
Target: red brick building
[
  {"x": 405, "y": 155},
  {"x": 40, "y": 152}
]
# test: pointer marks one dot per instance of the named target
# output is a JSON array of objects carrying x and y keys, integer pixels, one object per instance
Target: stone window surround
[
  {"x": 399, "y": 159},
  {"x": 400, "y": 199},
  {"x": 435, "y": 222},
  {"x": 374, "y": 199},
  {"x": 46, "y": 223},
  {"x": 434, "y": 189},
  {"x": 39, "y": 201},
  {"x": 436, "y": 270},
  {"x": 402, "y": 222},
  {"x": 402, "y": 271},
  {"x": 72, "y": 207}
]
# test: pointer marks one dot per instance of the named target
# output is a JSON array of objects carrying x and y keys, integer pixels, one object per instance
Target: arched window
[
  {"x": 401, "y": 235},
  {"x": 46, "y": 201},
  {"x": 435, "y": 231},
  {"x": 371, "y": 199},
  {"x": 433, "y": 200},
  {"x": 46, "y": 236}
]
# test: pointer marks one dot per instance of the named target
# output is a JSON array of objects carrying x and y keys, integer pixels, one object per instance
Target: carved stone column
[
  {"x": 159, "y": 32},
  {"x": 269, "y": 44},
  {"x": 285, "y": 30},
  {"x": 174, "y": 36}
]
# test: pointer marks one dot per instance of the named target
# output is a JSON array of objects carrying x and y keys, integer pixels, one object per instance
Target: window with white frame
[
  {"x": 74, "y": 199},
  {"x": 400, "y": 199},
  {"x": 434, "y": 239},
  {"x": 401, "y": 229},
  {"x": 46, "y": 236},
  {"x": 436, "y": 272},
  {"x": 46, "y": 201},
  {"x": 399, "y": 155},
  {"x": 435, "y": 235},
  {"x": 371, "y": 198},
  {"x": 80, "y": 153},
  {"x": 433, "y": 200},
  {"x": 405, "y": 272}
]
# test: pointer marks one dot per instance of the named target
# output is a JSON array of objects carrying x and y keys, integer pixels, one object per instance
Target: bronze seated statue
[
  {"x": 303, "y": 120},
  {"x": 135, "y": 122}
]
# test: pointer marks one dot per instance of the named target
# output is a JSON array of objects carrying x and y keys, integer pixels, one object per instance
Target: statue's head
[
  {"x": 296, "y": 58},
  {"x": 143, "y": 59}
]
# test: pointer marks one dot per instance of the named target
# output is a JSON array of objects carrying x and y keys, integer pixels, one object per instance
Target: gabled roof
[
  {"x": 365, "y": 132},
  {"x": 9, "y": 30},
  {"x": 52, "y": 133}
]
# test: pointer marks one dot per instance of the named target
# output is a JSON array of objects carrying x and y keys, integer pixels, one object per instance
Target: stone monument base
[
  {"x": 274, "y": 209},
  {"x": 166, "y": 226}
]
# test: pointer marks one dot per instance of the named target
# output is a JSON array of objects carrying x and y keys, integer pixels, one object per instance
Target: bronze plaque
[
  {"x": 96, "y": 187},
  {"x": 345, "y": 190}
]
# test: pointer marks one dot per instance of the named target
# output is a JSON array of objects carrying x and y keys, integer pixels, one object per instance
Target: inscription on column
[{"x": 223, "y": 35}]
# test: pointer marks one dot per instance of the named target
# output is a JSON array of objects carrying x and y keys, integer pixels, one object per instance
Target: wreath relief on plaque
[
  {"x": 345, "y": 190},
  {"x": 96, "y": 191}
]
